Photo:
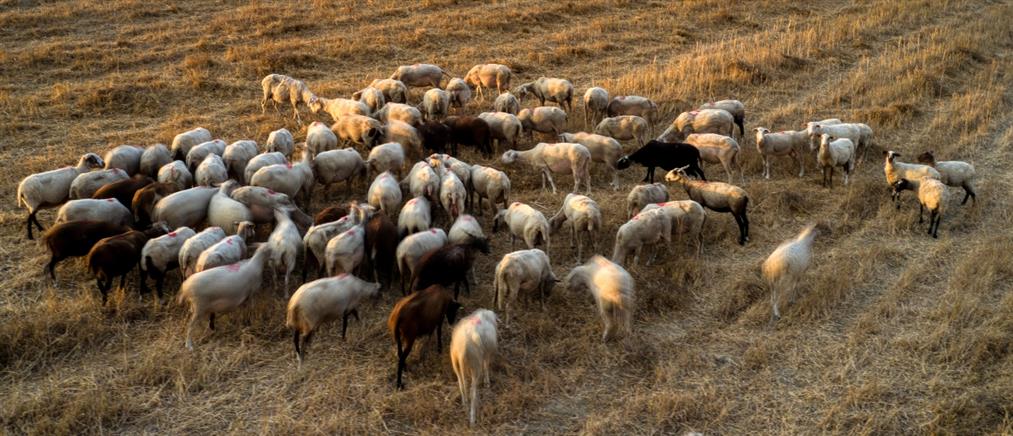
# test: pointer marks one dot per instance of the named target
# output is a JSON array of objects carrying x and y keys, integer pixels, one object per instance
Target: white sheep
[
  {"x": 412, "y": 248},
  {"x": 489, "y": 76},
  {"x": 415, "y": 216},
  {"x": 716, "y": 196},
  {"x": 423, "y": 181},
  {"x": 339, "y": 107},
  {"x": 419, "y": 75},
  {"x": 624, "y": 127},
  {"x": 896, "y": 170},
  {"x": 286, "y": 245},
  {"x": 154, "y": 158},
  {"x": 224, "y": 211},
  {"x": 261, "y": 201},
  {"x": 687, "y": 217},
  {"x": 715, "y": 149},
  {"x": 405, "y": 134},
  {"x": 734, "y": 107},
  {"x": 785, "y": 266},
  {"x": 642, "y": 195},
  {"x": 345, "y": 251},
  {"x": 211, "y": 172},
  {"x": 583, "y": 217},
  {"x": 645, "y": 228},
  {"x": 472, "y": 347},
  {"x": 932, "y": 195},
  {"x": 316, "y": 239},
  {"x": 523, "y": 272},
  {"x": 506, "y": 102},
  {"x": 386, "y": 157},
  {"x": 613, "y": 291},
  {"x": 125, "y": 157},
  {"x": 559, "y": 91},
  {"x": 524, "y": 222},
  {"x": 435, "y": 104},
  {"x": 339, "y": 165},
  {"x": 160, "y": 255},
  {"x": 50, "y": 189},
  {"x": 401, "y": 112},
  {"x": 237, "y": 155},
  {"x": 263, "y": 160},
  {"x": 843, "y": 130},
  {"x": 544, "y": 119},
  {"x": 700, "y": 121},
  {"x": 202, "y": 150},
  {"x": 188, "y": 207},
  {"x": 319, "y": 138},
  {"x": 183, "y": 142},
  {"x": 953, "y": 173},
  {"x": 291, "y": 180},
  {"x": 230, "y": 250},
  {"x": 192, "y": 248},
  {"x": 504, "y": 127},
  {"x": 596, "y": 101},
  {"x": 636, "y": 105},
  {"x": 490, "y": 184},
  {"x": 560, "y": 157},
  {"x": 177, "y": 173},
  {"x": 281, "y": 140},
  {"x": 460, "y": 93},
  {"x": 107, "y": 210},
  {"x": 279, "y": 88},
  {"x": 358, "y": 129},
  {"x": 325, "y": 300},
  {"x": 788, "y": 143},
  {"x": 835, "y": 152},
  {"x": 371, "y": 97},
  {"x": 85, "y": 184},
  {"x": 465, "y": 230},
  {"x": 459, "y": 167},
  {"x": 385, "y": 193},
  {"x": 220, "y": 290},
  {"x": 452, "y": 194},
  {"x": 393, "y": 90},
  {"x": 603, "y": 149}
]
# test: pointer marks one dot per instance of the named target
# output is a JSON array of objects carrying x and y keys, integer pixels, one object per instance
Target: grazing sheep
[
  {"x": 645, "y": 228},
  {"x": 85, "y": 184},
  {"x": 506, "y": 102},
  {"x": 583, "y": 216},
  {"x": 423, "y": 181},
  {"x": 291, "y": 180},
  {"x": 389, "y": 157},
  {"x": 286, "y": 244},
  {"x": 460, "y": 93},
  {"x": 559, "y": 91},
  {"x": 154, "y": 158},
  {"x": 785, "y": 266},
  {"x": 211, "y": 172},
  {"x": 419, "y": 75},
  {"x": 716, "y": 196},
  {"x": 468, "y": 130},
  {"x": 843, "y": 130},
  {"x": 613, "y": 291},
  {"x": 393, "y": 90},
  {"x": 281, "y": 140},
  {"x": 116, "y": 256},
  {"x": 701, "y": 121},
  {"x": 195, "y": 245},
  {"x": 124, "y": 157},
  {"x": 687, "y": 218},
  {"x": 522, "y": 272},
  {"x": 734, "y": 107},
  {"x": 346, "y": 251},
  {"x": 75, "y": 239},
  {"x": 866, "y": 139},
  {"x": 263, "y": 160},
  {"x": 400, "y": 112},
  {"x": 667, "y": 155},
  {"x": 405, "y": 134},
  {"x": 415, "y": 216},
  {"x": 634, "y": 105},
  {"x": 716, "y": 148},
  {"x": 490, "y": 184},
  {"x": 543, "y": 119},
  {"x": 339, "y": 107},
  {"x": 279, "y": 87},
  {"x": 197, "y": 154},
  {"x": 452, "y": 194},
  {"x": 334, "y": 166},
  {"x": 449, "y": 264},
  {"x": 461, "y": 169},
  {"x": 419, "y": 314},
  {"x": 435, "y": 104},
  {"x": 561, "y": 157},
  {"x": 124, "y": 190},
  {"x": 319, "y": 138},
  {"x": 504, "y": 128},
  {"x": 596, "y": 101},
  {"x": 489, "y": 76},
  {"x": 835, "y": 152},
  {"x": 50, "y": 189},
  {"x": 316, "y": 238},
  {"x": 143, "y": 203},
  {"x": 358, "y": 129},
  {"x": 183, "y": 142},
  {"x": 524, "y": 222},
  {"x": 472, "y": 347},
  {"x": 895, "y": 170},
  {"x": 466, "y": 230},
  {"x": 188, "y": 207},
  {"x": 321, "y": 301},
  {"x": 371, "y": 97},
  {"x": 624, "y": 127},
  {"x": 642, "y": 195},
  {"x": 603, "y": 149},
  {"x": 932, "y": 195},
  {"x": 222, "y": 289},
  {"x": 953, "y": 173},
  {"x": 89, "y": 209},
  {"x": 261, "y": 199},
  {"x": 161, "y": 255},
  {"x": 412, "y": 248},
  {"x": 230, "y": 250},
  {"x": 789, "y": 143},
  {"x": 177, "y": 173},
  {"x": 238, "y": 154},
  {"x": 381, "y": 247}
]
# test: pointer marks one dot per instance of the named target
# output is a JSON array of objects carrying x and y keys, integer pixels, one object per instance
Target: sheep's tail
[
  {"x": 182, "y": 296},
  {"x": 497, "y": 298},
  {"x": 292, "y": 317}
]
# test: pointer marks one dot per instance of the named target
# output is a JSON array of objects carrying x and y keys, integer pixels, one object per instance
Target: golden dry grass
[{"x": 893, "y": 332}]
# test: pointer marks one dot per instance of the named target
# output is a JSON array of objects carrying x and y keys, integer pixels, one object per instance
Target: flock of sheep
[{"x": 143, "y": 207}]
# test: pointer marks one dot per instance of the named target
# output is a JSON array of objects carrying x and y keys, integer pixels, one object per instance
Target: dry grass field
[{"x": 891, "y": 332}]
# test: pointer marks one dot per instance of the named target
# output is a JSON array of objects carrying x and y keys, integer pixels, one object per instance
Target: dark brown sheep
[
  {"x": 117, "y": 255},
  {"x": 468, "y": 130},
  {"x": 75, "y": 239},
  {"x": 144, "y": 201},
  {"x": 381, "y": 247},
  {"x": 330, "y": 214},
  {"x": 435, "y": 136},
  {"x": 124, "y": 190},
  {"x": 449, "y": 265},
  {"x": 418, "y": 315}
]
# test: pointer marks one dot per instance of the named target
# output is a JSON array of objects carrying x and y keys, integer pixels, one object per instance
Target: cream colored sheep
[
  {"x": 635, "y": 105},
  {"x": 561, "y": 157},
  {"x": 544, "y": 119},
  {"x": 506, "y": 102},
  {"x": 237, "y": 155},
  {"x": 106, "y": 209},
  {"x": 914, "y": 173},
  {"x": 154, "y": 158},
  {"x": 525, "y": 273},
  {"x": 645, "y": 228},
  {"x": 953, "y": 173},
  {"x": 687, "y": 217},
  {"x": 339, "y": 165},
  {"x": 371, "y": 97},
  {"x": 489, "y": 76},
  {"x": 624, "y": 127},
  {"x": 490, "y": 184},
  {"x": 226, "y": 212},
  {"x": 399, "y": 111},
  {"x": 559, "y": 91},
  {"x": 419, "y": 75},
  {"x": 472, "y": 347},
  {"x": 322, "y": 301},
  {"x": 124, "y": 157},
  {"x": 339, "y": 107},
  {"x": 416, "y": 216},
  {"x": 281, "y": 140},
  {"x": 734, "y": 107},
  {"x": 385, "y": 194},
  {"x": 702, "y": 121},
  {"x": 279, "y": 88},
  {"x": 412, "y": 248},
  {"x": 835, "y": 152},
  {"x": 524, "y": 222},
  {"x": 393, "y": 90},
  {"x": 192, "y": 248},
  {"x": 613, "y": 291},
  {"x": 386, "y": 157},
  {"x": 460, "y": 93},
  {"x": 211, "y": 172},
  {"x": 932, "y": 195},
  {"x": 285, "y": 246},
  {"x": 50, "y": 189},
  {"x": 201, "y": 151},
  {"x": 230, "y": 250},
  {"x": 603, "y": 149},
  {"x": 596, "y": 101},
  {"x": 176, "y": 172},
  {"x": 583, "y": 217},
  {"x": 358, "y": 129},
  {"x": 435, "y": 104},
  {"x": 403, "y": 133},
  {"x": 642, "y": 195},
  {"x": 785, "y": 266},
  {"x": 319, "y": 138},
  {"x": 183, "y": 142},
  {"x": 505, "y": 128},
  {"x": 788, "y": 143},
  {"x": 85, "y": 184},
  {"x": 716, "y": 149}
]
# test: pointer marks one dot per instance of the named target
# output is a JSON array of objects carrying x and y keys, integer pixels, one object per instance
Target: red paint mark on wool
[
  {"x": 110, "y": 199},
  {"x": 172, "y": 234},
  {"x": 271, "y": 192},
  {"x": 288, "y": 165},
  {"x": 234, "y": 267},
  {"x": 228, "y": 241},
  {"x": 433, "y": 231},
  {"x": 476, "y": 321}
]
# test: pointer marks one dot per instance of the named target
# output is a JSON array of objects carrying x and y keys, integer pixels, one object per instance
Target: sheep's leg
[
  {"x": 967, "y": 194},
  {"x": 194, "y": 318},
  {"x": 159, "y": 282},
  {"x": 474, "y": 400},
  {"x": 101, "y": 288},
  {"x": 439, "y": 337},
  {"x": 775, "y": 314},
  {"x": 295, "y": 341},
  {"x": 921, "y": 209},
  {"x": 52, "y": 268},
  {"x": 845, "y": 171},
  {"x": 548, "y": 175},
  {"x": 766, "y": 167},
  {"x": 402, "y": 357},
  {"x": 801, "y": 163},
  {"x": 344, "y": 324},
  {"x": 306, "y": 343}
]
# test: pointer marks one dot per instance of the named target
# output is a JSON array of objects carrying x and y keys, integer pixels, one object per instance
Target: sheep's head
[
  {"x": 522, "y": 91},
  {"x": 825, "y": 140},
  {"x": 91, "y": 160},
  {"x": 575, "y": 280},
  {"x": 315, "y": 104},
  {"x": 890, "y": 155},
  {"x": 677, "y": 175},
  {"x": 500, "y": 216},
  {"x": 509, "y": 157},
  {"x": 480, "y": 244},
  {"x": 245, "y": 229},
  {"x": 624, "y": 162},
  {"x": 901, "y": 185}
]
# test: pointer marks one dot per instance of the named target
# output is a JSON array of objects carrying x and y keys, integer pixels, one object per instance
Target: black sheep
[
  {"x": 667, "y": 155},
  {"x": 468, "y": 130}
]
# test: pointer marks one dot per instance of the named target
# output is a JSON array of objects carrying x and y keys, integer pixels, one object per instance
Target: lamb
[
  {"x": 523, "y": 272},
  {"x": 85, "y": 184},
  {"x": 263, "y": 160},
  {"x": 279, "y": 87},
  {"x": 339, "y": 107},
  {"x": 125, "y": 157},
  {"x": 460, "y": 93},
  {"x": 124, "y": 190},
  {"x": 491, "y": 184},
  {"x": 415, "y": 216},
  {"x": 667, "y": 155},
  {"x": 386, "y": 158},
  {"x": 286, "y": 244},
  {"x": 506, "y": 102},
  {"x": 358, "y": 129},
  {"x": 238, "y": 154},
  {"x": 700, "y": 121},
  {"x": 339, "y": 165},
  {"x": 75, "y": 239},
  {"x": 177, "y": 173},
  {"x": 291, "y": 180},
  {"x": 716, "y": 196},
  {"x": 452, "y": 194},
  {"x": 472, "y": 347},
  {"x": 143, "y": 203},
  {"x": 560, "y": 158},
  {"x": 418, "y": 315},
  {"x": 400, "y": 112},
  {"x": 596, "y": 101},
  {"x": 346, "y": 251},
  {"x": 642, "y": 195},
  {"x": 211, "y": 172},
  {"x": 932, "y": 195},
  {"x": 371, "y": 97},
  {"x": 624, "y": 127},
  {"x": 734, "y": 107},
  {"x": 835, "y": 152},
  {"x": 406, "y": 135},
  {"x": 543, "y": 119},
  {"x": 322, "y": 301},
  {"x": 603, "y": 149},
  {"x": 435, "y": 104},
  {"x": 789, "y": 143},
  {"x": 525, "y": 222},
  {"x": 116, "y": 256},
  {"x": 633, "y": 105},
  {"x": 613, "y": 291},
  {"x": 153, "y": 159},
  {"x": 199, "y": 152},
  {"x": 419, "y": 75},
  {"x": 716, "y": 148},
  {"x": 504, "y": 128},
  {"x": 645, "y": 228},
  {"x": 785, "y": 266},
  {"x": 50, "y": 189},
  {"x": 687, "y": 218},
  {"x": 843, "y": 130},
  {"x": 468, "y": 130},
  {"x": 393, "y": 90},
  {"x": 161, "y": 255},
  {"x": 953, "y": 173},
  {"x": 559, "y": 91},
  {"x": 228, "y": 251},
  {"x": 194, "y": 246},
  {"x": 489, "y": 76},
  {"x": 183, "y": 142},
  {"x": 108, "y": 210},
  {"x": 281, "y": 140},
  {"x": 895, "y": 171},
  {"x": 412, "y": 248},
  {"x": 583, "y": 216},
  {"x": 222, "y": 289},
  {"x": 319, "y": 138},
  {"x": 188, "y": 207}
]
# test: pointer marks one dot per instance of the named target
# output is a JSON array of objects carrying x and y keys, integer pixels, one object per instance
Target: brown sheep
[
  {"x": 75, "y": 239},
  {"x": 124, "y": 190},
  {"x": 143, "y": 203},
  {"x": 117, "y": 255},
  {"x": 418, "y": 315},
  {"x": 381, "y": 245},
  {"x": 448, "y": 265}
]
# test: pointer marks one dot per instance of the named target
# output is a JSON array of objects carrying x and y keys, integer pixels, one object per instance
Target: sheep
[
  {"x": 525, "y": 222},
  {"x": 75, "y": 239},
  {"x": 826, "y": 122},
  {"x": 522, "y": 272},
  {"x": 177, "y": 173},
  {"x": 783, "y": 269},
  {"x": 85, "y": 184},
  {"x": 953, "y": 173},
  {"x": 465, "y": 230},
  {"x": 418, "y": 315},
  {"x": 435, "y": 104},
  {"x": 183, "y": 142},
  {"x": 107, "y": 209},
  {"x": 543, "y": 119},
  {"x": 788, "y": 143},
  {"x": 371, "y": 97},
  {"x": 415, "y": 216},
  {"x": 321, "y": 301},
  {"x": 286, "y": 244},
  {"x": 339, "y": 107},
  {"x": 715, "y": 149},
  {"x": 700, "y": 121},
  {"x": 358, "y": 129},
  {"x": 895, "y": 171},
  {"x": 291, "y": 180},
  {"x": 143, "y": 203},
  {"x": 596, "y": 101},
  {"x": 319, "y": 138},
  {"x": 192, "y": 248},
  {"x": 452, "y": 194},
  {"x": 124, "y": 157},
  {"x": 238, "y": 154},
  {"x": 491, "y": 184},
  {"x": 400, "y": 112},
  {"x": 263, "y": 160},
  {"x": 419, "y": 75},
  {"x": 687, "y": 218},
  {"x": 388, "y": 157},
  {"x": 561, "y": 157},
  {"x": 559, "y": 91},
  {"x": 222, "y": 289},
  {"x": 393, "y": 90},
  {"x": 381, "y": 247},
  {"x": 489, "y": 76},
  {"x": 230, "y": 250},
  {"x": 316, "y": 238},
  {"x": 835, "y": 152},
  {"x": 603, "y": 149},
  {"x": 667, "y": 155},
  {"x": 116, "y": 256},
  {"x": 188, "y": 207},
  {"x": 423, "y": 181},
  {"x": 199, "y": 152},
  {"x": 504, "y": 127},
  {"x": 506, "y": 102},
  {"x": 346, "y": 251},
  {"x": 866, "y": 139},
  {"x": 468, "y": 130},
  {"x": 624, "y": 127},
  {"x": 211, "y": 172},
  {"x": 843, "y": 130},
  {"x": 403, "y": 133},
  {"x": 123, "y": 190},
  {"x": 279, "y": 87},
  {"x": 161, "y": 255},
  {"x": 645, "y": 228},
  {"x": 461, "y": 169},
  {"x": 50, "y": 189},
  {"x": 716, "y": 196},
  {"x": 613, "y": 290},
  {"x": 259, "y": 199},
  {"x": 412, "y": 248},
  {"x": 633, "y": 105},
  {"x": 472, "y": 347},
  {"x": 932, "y": 195},
  {"x": 435, "y": 136},
  {"x": 460, "y": 93},
  {"x": 583, "y": 216},
  {"x": 642, "y": 195},
  {"x": 153, "y": 159},
  {"x": 281, "y": 140},
  {"x": 334, "y": 166},
  {"x": 734, "y": 107}
]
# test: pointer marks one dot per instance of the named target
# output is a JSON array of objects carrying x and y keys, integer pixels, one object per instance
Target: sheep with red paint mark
[{"x": 322, "y": 301}]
